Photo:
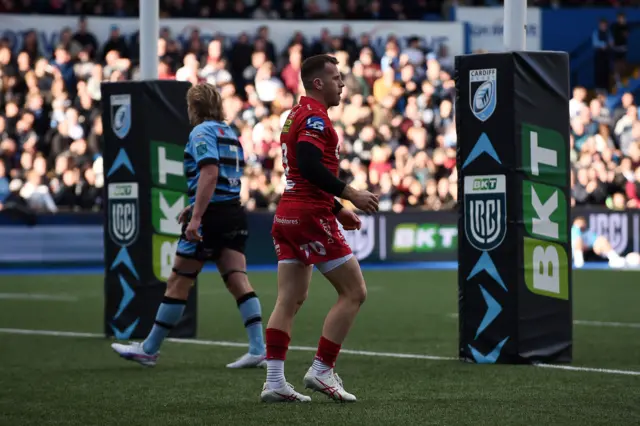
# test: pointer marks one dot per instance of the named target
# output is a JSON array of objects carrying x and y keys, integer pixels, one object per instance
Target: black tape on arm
[
  {"x": 311, "y": 168},
  {"x": 336, "y": 206}
]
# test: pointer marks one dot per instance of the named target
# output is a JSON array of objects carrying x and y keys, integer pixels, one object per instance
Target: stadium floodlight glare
[
  {"x": 515, "y": 25},
  {"x": 149, "y": 32}
]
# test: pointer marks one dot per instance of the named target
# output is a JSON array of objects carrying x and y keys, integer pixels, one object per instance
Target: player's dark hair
[
  {"x": 312, "y": 67},
  {"x": 204, "y": 103}
]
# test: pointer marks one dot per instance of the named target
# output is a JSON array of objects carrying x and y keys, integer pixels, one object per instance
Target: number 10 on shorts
[{"x": 315, "y": 246}]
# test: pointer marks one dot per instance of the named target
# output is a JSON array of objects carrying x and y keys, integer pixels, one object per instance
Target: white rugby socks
[
  {"x": 275, "y": 374},
  {"x": 320, "y": 367},
  {"x": 578, "y": 258}
]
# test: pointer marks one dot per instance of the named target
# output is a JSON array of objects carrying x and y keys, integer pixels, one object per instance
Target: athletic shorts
[
  {"x": 224, "y": 226},
  {"x": 309, "y": 236},
  {"x": 590, "y": 256}
]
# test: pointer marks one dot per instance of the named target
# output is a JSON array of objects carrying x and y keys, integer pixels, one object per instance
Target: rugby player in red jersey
[{"x": 305, "y": 233}]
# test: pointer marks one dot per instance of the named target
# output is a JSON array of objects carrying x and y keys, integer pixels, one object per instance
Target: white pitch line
[
  {"x": 592, "y": 323},
  {"x": 608, "y": 324},
  {"x": 49, "y": 333},
  {"x": 38, "y": 297},
  {"x": 590, "y": 370},
  {"x": 312, "y": 349}
]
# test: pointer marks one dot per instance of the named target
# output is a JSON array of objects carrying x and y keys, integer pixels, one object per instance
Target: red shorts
[{"x": 309, "y": 236}]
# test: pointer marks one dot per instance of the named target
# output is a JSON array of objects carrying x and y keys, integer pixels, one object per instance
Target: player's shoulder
[
  {"x": 314, "y": 119},
  {"x": 212, "y": 129},
  {"x": 200, "y": 131}
]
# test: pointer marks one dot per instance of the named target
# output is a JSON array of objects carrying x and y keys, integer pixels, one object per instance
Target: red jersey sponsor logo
[{"x": 286, "y": 221}]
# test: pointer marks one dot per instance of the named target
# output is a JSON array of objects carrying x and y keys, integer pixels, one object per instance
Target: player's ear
[{"x": 318, "y": 83}]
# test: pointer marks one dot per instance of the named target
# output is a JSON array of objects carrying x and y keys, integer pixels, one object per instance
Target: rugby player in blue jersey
[
  {"x": 584, "y": 241},
  {"x": 215, "y": 229}
]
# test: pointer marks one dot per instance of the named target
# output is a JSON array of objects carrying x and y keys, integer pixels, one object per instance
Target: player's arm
[
  {"x": 206, "y": 155},
  {"x": 577, "y": 245},
  {"x": 309, "y": 157},
  {"x": 206, "y": 188},
  {"x": 336, "y": 206}
]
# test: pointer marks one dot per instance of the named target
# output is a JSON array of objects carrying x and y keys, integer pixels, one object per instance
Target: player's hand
[
  {"x": 193, "y": 230},
  {"x": 349, "y": 220},
  {"x": 365, "y": 201},
  {"x": 184, "y": 214}
]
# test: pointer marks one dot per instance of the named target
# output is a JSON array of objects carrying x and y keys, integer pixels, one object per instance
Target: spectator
[{"x": 396, "y": 126}]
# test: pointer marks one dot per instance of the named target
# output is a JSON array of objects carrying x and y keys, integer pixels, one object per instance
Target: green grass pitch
[{"x": 57, "y": 380}]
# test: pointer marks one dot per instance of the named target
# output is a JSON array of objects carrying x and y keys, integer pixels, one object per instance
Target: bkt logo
[
  {"x": 485, "y": 184},
  {"x": 485, "y": 211},
  {"x": 124, "y": 213}
]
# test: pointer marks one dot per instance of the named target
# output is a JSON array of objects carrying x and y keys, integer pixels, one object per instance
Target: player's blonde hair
[{"x": 204, "y": 103}]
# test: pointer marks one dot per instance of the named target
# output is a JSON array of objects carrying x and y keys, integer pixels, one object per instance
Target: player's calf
[
  {"x": 293, "y": 286},
  {"x": 349, "y": 283},
  {"x": 232, "y": 267},
  {"x": 169, "y": 313},
  {"x": 251, "y": 313},
  {"x": 346, "y": 277}
]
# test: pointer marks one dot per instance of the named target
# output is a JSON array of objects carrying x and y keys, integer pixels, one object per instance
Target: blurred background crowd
[
  {"x": 280, "y": 9},
  {"x": 396, "y": 124}
]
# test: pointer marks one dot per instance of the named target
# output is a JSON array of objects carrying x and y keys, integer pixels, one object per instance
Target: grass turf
[{"x": 78, "y": 381}]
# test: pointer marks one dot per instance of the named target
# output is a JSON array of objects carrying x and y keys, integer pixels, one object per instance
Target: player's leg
[
  {"x": 294, "y": 278},
  {"x": 602, "y": 247},
  {"x": 232, "y": 265},
  {"x": 185, "y": 271},
  {"x": 346, "y": 277},
  {"x": 578, "y": 252}
]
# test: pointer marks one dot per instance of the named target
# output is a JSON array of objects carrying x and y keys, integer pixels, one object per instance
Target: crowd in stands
[
  {"x": 396, "y": 124},
  {"x": 281, "y": 9}
]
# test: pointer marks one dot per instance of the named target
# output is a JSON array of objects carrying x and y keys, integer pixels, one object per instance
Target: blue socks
[
  {"x": 171, "y": 310},
  {"x": 169, "y": 313},
  {"x": 251, "y": 312}
]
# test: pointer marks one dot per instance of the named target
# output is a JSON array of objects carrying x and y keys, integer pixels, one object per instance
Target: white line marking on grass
[
  {"x": 591, "y": 323},
  {"x": 608, "y": 324},
  {"x": 38, "y": 297},
  {"x": 49, "y": 333},
  {"x": 312, "y": 349},
  {"x": 590, "y": 370}
]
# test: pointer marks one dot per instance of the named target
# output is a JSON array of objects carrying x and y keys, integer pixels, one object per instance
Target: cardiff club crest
[
  {"x": 485, "y": 215},
  {"x": 124, "y": 213},
  {"x": 121, "y": 115},
  {"x": 482, "y": 92}
]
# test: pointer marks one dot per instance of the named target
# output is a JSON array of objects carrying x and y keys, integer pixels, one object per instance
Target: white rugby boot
[
  {"x": 617, "y": 262},
  {"x": 249, "y": 361},
  {"x": 285, "y": 394},
  {"x": 328, "y": 383},
  {"x": 134, "y": 352}
]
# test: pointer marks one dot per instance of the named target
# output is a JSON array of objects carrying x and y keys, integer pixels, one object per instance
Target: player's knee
[
  {"x": 356, "y": 294},
  {"x": 236, "y": 280},
  {"x": 600, "y": 245},
  {"x": 179, "y": 283},
  {"x": 291, "y": 303},
  {"x": 178, "y": 287},
  {"x": 300, "y": 301}
]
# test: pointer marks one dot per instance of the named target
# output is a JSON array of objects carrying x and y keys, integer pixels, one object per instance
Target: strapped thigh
[
  {"x": 225, "y": 276},
  {"x": 192, "y": 275}
]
